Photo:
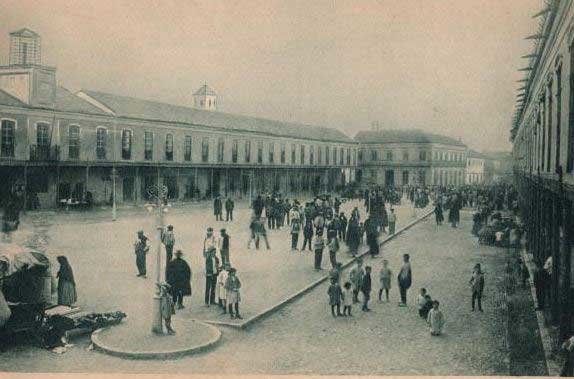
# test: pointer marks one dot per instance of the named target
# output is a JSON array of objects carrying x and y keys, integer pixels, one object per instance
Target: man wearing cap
[
  {"x": 209, "y": 241},
  {"x": 141, "y": 249},
  {"x": 178, "y": 276}
]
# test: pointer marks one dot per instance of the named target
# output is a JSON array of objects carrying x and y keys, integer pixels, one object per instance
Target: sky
[{"x": 443, "y": 66}]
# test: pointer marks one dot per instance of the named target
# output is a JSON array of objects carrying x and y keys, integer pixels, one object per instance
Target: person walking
[
  {"x": 141, "y": 249},
  {"x": 168, "y": 240},
  {"x": 295, "y": 230},
  {"x": 392, "y": 221},
  {"x": 178, "y": 276},
  {"x": 307, "y": 234},
  {"x": 218, "y": 209},
  {"x": 66, "y": 284},
  {"x": 229, "y": 206},
  {"x": 335, "y": 295},
  {"x": 372, "y": 236},
  {"x": 405, "y": 279},
  {"x": 356, "y": 279},
  {"x": 318, "y": 246},
  {"x": 477, "y": 285},
  {"x": 333, "y": 249},
  {"x": 343, "y": 222}
]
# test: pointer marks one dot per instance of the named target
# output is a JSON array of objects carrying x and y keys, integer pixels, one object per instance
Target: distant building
[
  {"x": 410, "y": 157},
  {"x": 475, "y": 167},
  {"x": 498, "y": 166}
]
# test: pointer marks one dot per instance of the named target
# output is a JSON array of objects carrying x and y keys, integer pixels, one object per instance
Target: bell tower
[{"x": 25, "y": 77}]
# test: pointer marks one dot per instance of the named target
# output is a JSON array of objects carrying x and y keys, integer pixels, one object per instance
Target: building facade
[
  {"x": 410, "y": 157},
  {"x": 543, "y": 151},
  {"x": 59, "y": 145},
  {"x": 475, "y": 168}
]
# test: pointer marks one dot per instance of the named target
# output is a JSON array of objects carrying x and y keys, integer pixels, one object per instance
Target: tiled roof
[
  {"x": 24, "y": 32},
  {"x": 405, "y": 136},
  {"x": 205, "y": 91},
  {"x": 69, "y": 102},
  {"x": 150, "y": 110},
  {"x": 7, "y": 99}
]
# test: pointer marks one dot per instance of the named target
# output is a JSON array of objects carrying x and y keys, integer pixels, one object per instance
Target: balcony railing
[{"x": 44, "y": 153}]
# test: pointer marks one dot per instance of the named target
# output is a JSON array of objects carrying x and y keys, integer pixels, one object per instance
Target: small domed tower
[{"x": 205, "y": 98}]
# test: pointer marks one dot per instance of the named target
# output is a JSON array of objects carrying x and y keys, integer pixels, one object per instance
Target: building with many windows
[
  {"x": 59, "y": 145},
  {"x": 475, "y": 167},
  {"x": 410, "y": 157},
  {"x": 543, "y": 151}
]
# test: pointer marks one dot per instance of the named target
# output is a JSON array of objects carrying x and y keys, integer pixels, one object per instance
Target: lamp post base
[{"x": 157, "y": 326}]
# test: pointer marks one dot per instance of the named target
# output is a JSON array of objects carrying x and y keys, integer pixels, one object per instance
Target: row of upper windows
[
  {"x": 389, "y": 155},
  {"x": 306, "y": 154}
]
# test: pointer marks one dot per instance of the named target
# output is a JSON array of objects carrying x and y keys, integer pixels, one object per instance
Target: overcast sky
[{"x": 445, "y": 66}]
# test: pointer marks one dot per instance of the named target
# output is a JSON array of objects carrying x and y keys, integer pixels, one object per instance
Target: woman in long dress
[{"x": 66, "y": 284}]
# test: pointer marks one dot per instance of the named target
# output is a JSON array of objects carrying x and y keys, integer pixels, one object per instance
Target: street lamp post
[{"x": 159, "y": 194}]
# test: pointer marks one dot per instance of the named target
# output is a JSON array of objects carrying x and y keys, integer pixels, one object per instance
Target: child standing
[
  {"x": 427, "y": 307},
  {"x": 421, "y": 301},
  {"x": 435, "y": 319},
  {"x": 167, "y": 306},
  {"x": 347, "y": 299},
  {"x": 232, "y": 286},
  {"x": 335, "y": 294},
  {"x": 385, "y": 280},
  {"x": 366, "y": 288},
  {"x": 220, "y": 289}
]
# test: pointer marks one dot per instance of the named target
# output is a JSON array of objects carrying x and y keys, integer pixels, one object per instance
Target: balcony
[{"x": 44, "y": 153}]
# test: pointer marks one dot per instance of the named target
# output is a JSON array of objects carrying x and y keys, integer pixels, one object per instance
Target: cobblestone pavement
[{"x": 303, "y": 338}]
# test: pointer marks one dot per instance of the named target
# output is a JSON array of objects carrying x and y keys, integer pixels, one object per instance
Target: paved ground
[{"x": 303, "y": 338}]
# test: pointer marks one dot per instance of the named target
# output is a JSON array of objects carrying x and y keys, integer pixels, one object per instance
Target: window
[
  {"x": 148, "y": 146},
  {"x": 247, "y": 151},
  {"x": 334, "y": 155},
  {"x": 327, "y": 154},
  {"x": 293, "y": 154},
  {"x": 169, "y": 147},
  {"x": 389, "y": 155},
  {"x": 126, "y": 144},
  {"x": 7, "y": 136},
  {"x": 348, "y": 156},
  {"x": 302, "y": 154},
  {"x": 320, "y": 155},
  {"x": 187, "y": 148},
  {"x": 272, "y": 152},
  {"x": 220, "y": 149},
  {"x": 405, "y": 155},
  {"x": 73, "y": 142},
  {"x": 283, "y": 153},
  {"x": 311, "y": 155},
  {"x": 205, "y": 149},
  {"x": 405, "y": 178},
  {"x": 341, "y": 156},
  {"x": 360, "y": 155},
  {"x": 422, "y": 155},
  {"x": 234, "y": 149},
  {"x": 260, "y": 152},
  {"x": 43, "y": 134},
  {"x": 101, "y": 142}
]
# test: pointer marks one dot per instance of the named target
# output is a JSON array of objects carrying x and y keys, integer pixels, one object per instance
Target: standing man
[
  {"x": 372, "y": 236},
  {"x": 405, "y": 279},
  {"x": 392, "y": 221},
  {"x": 178, "y": 276},
  {"x": 343, "y": 227},
  {"x": 211, "y": 271},
  {"x": 366, "y": 288},
  {"x": 356, "y": 279},
  {"x": 295, "y": 230},
  {"x": 168, "y": 240},
  {"x": 218, "y": 209},
  {"x": 141, "y": 249},
  {"x": 223, "y": 246},
  {"x": 229, "y": 205}
]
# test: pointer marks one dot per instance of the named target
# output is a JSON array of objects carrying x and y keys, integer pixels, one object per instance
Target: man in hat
[
  {"x": 211, "y": 271},
  {"x": 218, "y": 209},
  {"x": 229, "y": 205},
  {"x": 168, "y": 240},
  {"x": 178, "y": 276},
  {"x": 141, "y": 249},
  {"x": 223, "y": 246},
  {"x": 209, "y": 242}
]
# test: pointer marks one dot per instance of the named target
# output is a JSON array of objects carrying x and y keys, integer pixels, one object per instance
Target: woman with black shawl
[{"x": 66, "y": 284}]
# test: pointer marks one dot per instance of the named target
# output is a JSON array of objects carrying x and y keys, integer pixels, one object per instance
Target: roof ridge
[{"x": 13, "y": 97}]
